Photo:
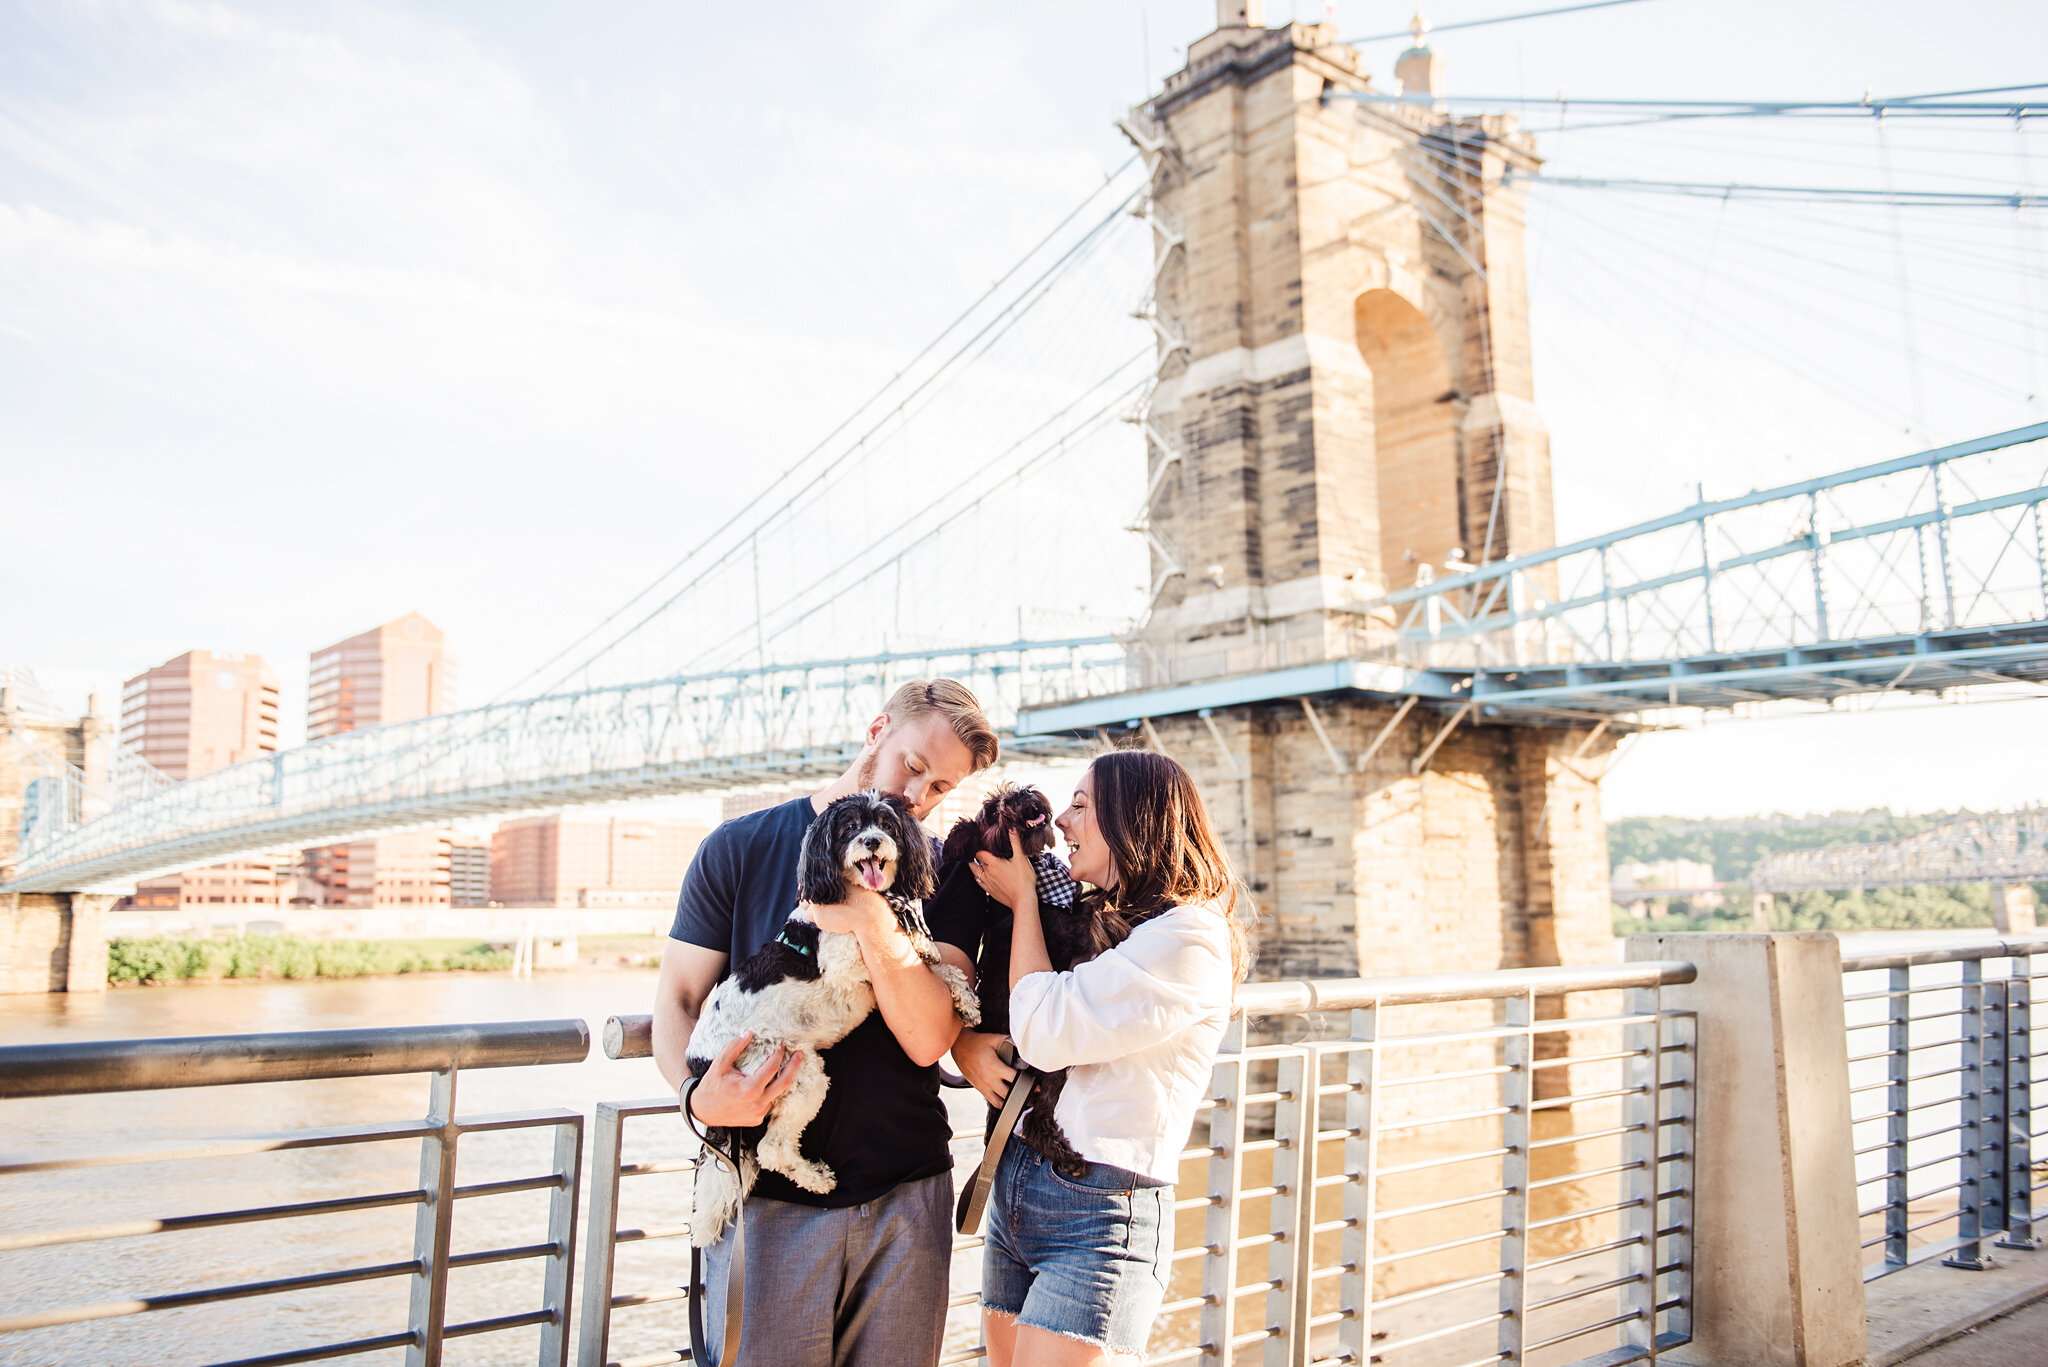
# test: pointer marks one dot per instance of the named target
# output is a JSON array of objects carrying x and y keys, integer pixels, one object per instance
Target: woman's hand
[
  {"x": 980, "y": 1065},
  {"x": 1010, "y": 880}
]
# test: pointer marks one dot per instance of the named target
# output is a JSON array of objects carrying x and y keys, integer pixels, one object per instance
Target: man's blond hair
[{"x": 950, "y": 699}]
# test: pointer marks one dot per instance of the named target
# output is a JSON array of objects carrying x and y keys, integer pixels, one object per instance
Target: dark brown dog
[{"x": 1074, "y": 934}]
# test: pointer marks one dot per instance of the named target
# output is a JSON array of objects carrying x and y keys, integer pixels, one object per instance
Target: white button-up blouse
[{"x": 1138, "y": 1026}]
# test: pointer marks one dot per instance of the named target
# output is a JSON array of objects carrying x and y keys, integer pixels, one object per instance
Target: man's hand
[
  {"x": 726, "y": 1096},
  {"x": 976, "y": 1055},
  {"x": 866, "y": 916}
]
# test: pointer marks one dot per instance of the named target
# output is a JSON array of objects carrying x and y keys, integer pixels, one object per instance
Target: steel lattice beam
[
  {"x": 1921, "y": 573},
  {"x": 2001, "y": 848}
]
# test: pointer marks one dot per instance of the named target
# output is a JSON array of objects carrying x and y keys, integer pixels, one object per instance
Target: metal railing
[
  {"x": 1941, "y": 1077},
  {"x": 442, "y": 1052},
  {"x": 1923, "y": 571},
  {"x": 691, "y": 733},
  {"x": 1485, "y": 1167}
]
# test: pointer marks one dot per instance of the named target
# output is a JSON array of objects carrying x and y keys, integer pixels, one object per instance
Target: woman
[{"x": 1075, "y": 1269}]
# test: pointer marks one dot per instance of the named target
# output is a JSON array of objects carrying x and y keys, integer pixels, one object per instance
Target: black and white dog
[{"x": 807, "y": 988}]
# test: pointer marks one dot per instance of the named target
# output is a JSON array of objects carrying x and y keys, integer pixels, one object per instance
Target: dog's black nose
[{"x": 873, "y": 842}]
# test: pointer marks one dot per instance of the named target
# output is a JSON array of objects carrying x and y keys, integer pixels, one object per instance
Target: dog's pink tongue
[{"x": 871, "y": 874}]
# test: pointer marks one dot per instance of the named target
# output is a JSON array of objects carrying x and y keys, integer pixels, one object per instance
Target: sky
[{"x": 315, "y": 314}]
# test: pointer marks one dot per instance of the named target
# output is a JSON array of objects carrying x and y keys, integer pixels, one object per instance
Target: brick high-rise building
[
  {"x": 191, "y": 715},
  {"x": 469, "y": 873},
  {"x": 565, "y": 861},
  {"x": 395, "y": 672}
]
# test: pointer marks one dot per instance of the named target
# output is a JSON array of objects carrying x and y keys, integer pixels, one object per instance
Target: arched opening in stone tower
[{"x": 1414, "y": 435}]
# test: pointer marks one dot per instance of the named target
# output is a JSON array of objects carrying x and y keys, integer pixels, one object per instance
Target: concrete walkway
[
  {"x": 2018, "y": 1340},
  {"x": 1922, "y": 1314}
]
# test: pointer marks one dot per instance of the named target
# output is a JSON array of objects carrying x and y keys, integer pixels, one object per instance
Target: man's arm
[
  {"x": 725, "y": 1096},
  {"x": 975, "y": 1053},
  {"x": 915, "y": 1004}
]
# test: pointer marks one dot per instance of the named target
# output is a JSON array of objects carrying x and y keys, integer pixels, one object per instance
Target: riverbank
[{"x": 159, "y": 960}]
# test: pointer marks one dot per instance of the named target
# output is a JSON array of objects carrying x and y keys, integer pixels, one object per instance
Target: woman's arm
[
  {"x": 1014, "y": 883},
  {"x": 1171, "y": 973}
]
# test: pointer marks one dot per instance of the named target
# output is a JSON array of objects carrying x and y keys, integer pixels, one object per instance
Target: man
[{"x": 856, "y": 1277}]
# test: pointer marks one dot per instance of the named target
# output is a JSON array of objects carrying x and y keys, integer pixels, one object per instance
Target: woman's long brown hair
[{"x": 1165, "y": 850}]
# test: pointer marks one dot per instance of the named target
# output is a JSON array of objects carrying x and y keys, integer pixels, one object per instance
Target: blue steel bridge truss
[{"x": 1919, "y": 574}]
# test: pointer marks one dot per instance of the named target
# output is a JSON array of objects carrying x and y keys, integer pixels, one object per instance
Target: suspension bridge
[{"x": 1348, "y": 603}]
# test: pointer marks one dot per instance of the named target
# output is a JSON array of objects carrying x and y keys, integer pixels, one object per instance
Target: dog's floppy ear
[
  {"x": 821, "y": 873},
  {"x": 914, "y": 874},
  {"x": 962, "y": 841}
]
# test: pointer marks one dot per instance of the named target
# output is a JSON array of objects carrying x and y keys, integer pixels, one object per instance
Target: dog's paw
[
  {"x": 815, "y": 1177},
  {"x": 966, "y": 1004}
]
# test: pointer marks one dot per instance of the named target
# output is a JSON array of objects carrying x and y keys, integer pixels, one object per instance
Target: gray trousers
[{"x": 862, "y": 1286}]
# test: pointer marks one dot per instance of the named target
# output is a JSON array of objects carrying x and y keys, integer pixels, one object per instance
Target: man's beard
[{"x": 865, "y": 779}]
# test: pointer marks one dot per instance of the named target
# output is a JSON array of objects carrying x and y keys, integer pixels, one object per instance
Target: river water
[{"x": 79, "y": 1274}]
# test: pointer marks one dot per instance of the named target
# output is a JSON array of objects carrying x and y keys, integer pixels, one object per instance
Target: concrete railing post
[{"x": 1777, "y": 1263}]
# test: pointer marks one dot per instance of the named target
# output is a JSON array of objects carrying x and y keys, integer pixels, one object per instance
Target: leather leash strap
[
  {"x": 967, "y": 1215},
  {"x": 736, "y": 1274}
]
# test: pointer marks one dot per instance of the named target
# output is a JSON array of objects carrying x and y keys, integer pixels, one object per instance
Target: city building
[
  {"x": 1647, "y": 887},
  {"x": 53, "y": 941},
  {"x": 391, "y": 673},
  {"x": 562, "y": 860},
  {"x": 469, "y": 873},
  {"x": 188, "y": 716},
  {"x": 752, "y": 800}
]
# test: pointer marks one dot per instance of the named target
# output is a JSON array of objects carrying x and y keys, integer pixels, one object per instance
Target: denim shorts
[{"x": 1084, "y": 1258}]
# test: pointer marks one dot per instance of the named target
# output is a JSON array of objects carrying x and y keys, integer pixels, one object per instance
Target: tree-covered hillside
[{"x": 1734, "y": 846}]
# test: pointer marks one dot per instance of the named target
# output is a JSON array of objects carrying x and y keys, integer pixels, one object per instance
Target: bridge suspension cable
[
  {"x": 981, "y": 478},
  {"x": 1896, "y": 106},
  {"x": 1496, "y": 19},
  {"x": 1816, "y": 194},
  {"x": 914, "y": 401},
  {"x": 991, "y": 329}
]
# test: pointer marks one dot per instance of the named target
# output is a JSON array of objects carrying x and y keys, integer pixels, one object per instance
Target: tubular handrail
[
  {"x": 1429, "y": 989},
  {"x": 134, "y": 1065},
  {"x": 633, "y": 1036},
  {"x": 1312, "y": 1148},
  {"x": 1955, "y": 952}
]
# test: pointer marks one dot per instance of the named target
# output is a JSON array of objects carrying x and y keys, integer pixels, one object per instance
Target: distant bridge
[
  {"x": 1999, "y": 848},
  {"x": 1918, "y": 574}
]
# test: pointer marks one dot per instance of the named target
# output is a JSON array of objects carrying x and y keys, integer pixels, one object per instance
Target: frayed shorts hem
[
  {"x": 1092, "y": 1340},
  {"x": 1079, "y": 1258}
]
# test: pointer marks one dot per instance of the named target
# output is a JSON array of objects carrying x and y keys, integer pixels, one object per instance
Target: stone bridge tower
[{"x": 1346, "y": 405}]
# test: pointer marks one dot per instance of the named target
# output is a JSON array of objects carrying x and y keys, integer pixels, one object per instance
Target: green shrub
[{"x": 171, "y": 958}]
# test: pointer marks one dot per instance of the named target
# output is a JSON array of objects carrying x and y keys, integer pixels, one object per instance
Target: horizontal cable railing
[
  {"x": 1941, "y": 1078},
  {"x": 443, "y": 1052},
  {"x": 1476, "y": 1167}
]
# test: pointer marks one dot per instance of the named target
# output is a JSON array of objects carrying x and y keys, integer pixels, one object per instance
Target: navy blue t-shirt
[{"x": 882, "y": 1123}]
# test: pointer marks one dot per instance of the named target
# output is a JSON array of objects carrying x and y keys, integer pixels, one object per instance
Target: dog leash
[
  {"x": 967, "y": 1215},
  {"x": 736, "y": 1273}
]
